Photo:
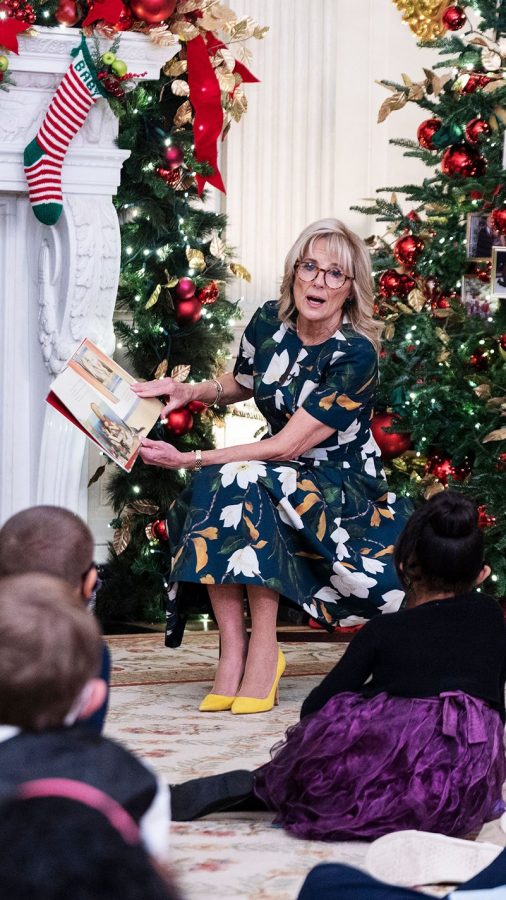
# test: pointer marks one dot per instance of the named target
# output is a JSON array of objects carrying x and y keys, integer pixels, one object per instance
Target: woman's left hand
[{"x": 160, "y": 453}]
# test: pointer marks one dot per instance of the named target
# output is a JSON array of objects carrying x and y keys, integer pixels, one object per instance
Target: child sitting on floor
[
  {"x": 55, "y": 541},
  {"x": 50, "y": 650},
  {"x": 407, "y": 730}
]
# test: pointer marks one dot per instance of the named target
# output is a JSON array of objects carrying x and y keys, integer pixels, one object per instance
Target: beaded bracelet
[{"x": 198, "y": 460}]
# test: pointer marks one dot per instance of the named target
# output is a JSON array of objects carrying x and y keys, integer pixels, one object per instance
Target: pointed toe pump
[
  {"x": 243, "y": 705},
  {"x": 216, "y": 703}
]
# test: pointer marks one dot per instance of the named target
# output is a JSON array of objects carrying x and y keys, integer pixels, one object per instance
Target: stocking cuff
[{"x": 93, "y": 82}]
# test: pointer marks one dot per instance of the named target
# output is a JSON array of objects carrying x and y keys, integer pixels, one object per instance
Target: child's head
[
  {"x": 56, "y": 842},
  {"x": 49, "y": 539},
  {"x": 50, "y": 652},
  {"x": 441, "y": 547}
]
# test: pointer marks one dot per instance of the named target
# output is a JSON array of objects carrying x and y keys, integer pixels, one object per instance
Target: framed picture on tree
[
  {"x": 498, "y": 277},
  {"x": 480, "y": 237},
  {"x": 476, "y": 296}
]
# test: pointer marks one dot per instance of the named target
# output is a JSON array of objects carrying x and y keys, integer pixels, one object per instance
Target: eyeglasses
[{"x": 333, "y": 277}]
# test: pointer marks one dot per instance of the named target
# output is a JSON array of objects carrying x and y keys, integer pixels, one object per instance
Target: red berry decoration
[
  {"x": 426, "y": 131},
  {"x": 153, "y": 11},
  {"x": 440, "y": 466},
  {"x": 209, "y": 294},
  {"x": 393, "y": 444},
  {"x": 460, "y": 161},
  {"x": 158, "y": 530},
  {"x": 499, "y": 220},
  {"x": 389, "y": 283},
  {"x": 475, "y": 130},
  {"x": 189, "y": 312},
  {"x": 484, "y": 519},
  {"x": 184, "y": 289},
  {"x": 179, "y": 421},
  {"x": 407, "y": 250},
  {"x": 454, "y": 18},
  {"x": 174, "y": 156}
]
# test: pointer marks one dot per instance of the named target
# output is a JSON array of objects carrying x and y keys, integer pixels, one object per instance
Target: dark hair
[
  {"x": 441, "y": 546},
  {"x": 50, "y": 647},
  {"x": 47, "y": 539},
  {"x": 54, "y": 848}
]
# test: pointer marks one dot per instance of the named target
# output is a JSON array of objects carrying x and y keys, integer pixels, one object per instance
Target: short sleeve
[
  {"x": 347, "y": 387},
  {"x": 245, "y": 363}
]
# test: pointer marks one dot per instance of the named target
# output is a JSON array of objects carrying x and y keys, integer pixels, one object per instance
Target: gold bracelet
[
  {"x": 219, "y": 391},
  {"x": 198, "y": 460}
]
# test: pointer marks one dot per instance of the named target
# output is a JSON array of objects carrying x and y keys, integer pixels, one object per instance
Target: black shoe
[{"x": 201, "y": 796}]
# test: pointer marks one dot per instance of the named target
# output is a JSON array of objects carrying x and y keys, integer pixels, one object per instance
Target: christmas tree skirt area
[{"x": 154, "y": 711}]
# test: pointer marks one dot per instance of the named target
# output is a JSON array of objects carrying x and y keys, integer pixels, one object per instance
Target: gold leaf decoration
[
  {"x": 435, "y": 488},
  {"x": 144, "y": 507},
  {"x": 396, "y": 101},
  {"x": 161, "y": 369},
  {"x": 180, "y": 373},
  {"x": 121, "y": 537},
  {"x": 389, "y": 331},
  {"x": 239, "y": 105},
  {"x": 424, "y": 17},
  {"x": 498, "y": 435},
  {"x": 217, "y": 247},
  {"x": 184, "y": 30},
  {"x": 416, "y": 299},
  {"x": 175, "y": 67},
  {"x": 161, "y": 36},
  {"x": 154, "y": 297},
  {"x": 240, "y": 271},
  {"x": 483, "y": 391},
  {"x": 183, "y": 114},
  {"x": 180, "y": 88},
  {"x": 96, "y": 475},
  {"x": 195, "y": 259},
  {"x": 226, "y": 80},
  {"x": 172, "y": 280}
]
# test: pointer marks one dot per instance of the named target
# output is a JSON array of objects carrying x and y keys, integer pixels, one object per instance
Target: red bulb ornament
[
  {"x": 66, "y": 13},
  {"x": 197, "y": 407},
  {"x": 475, "y": 130},
  {"x": 407, "y": 250},
  {"x": 454, "y": 18},
  {"x": 391, "y": 445},
  {"x": 189, "y": 312},
  {"x": 174, "y": 156},
  {"x": 179, "y": 421},
  {"x": 460, "y": 161},
  {"x": 389, "y": 283},
  {"x": 439, "y": 466},
  {"x": 153, "y": 11},
  {"x": 499, "y": 220},
  {"x": 426, "y": 131},
  {"x": 209, "y": 294},
  {"x": 158, "y": 530},
  {"x": 184, "y": 289}
]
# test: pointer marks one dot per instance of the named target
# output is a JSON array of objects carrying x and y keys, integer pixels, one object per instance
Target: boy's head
[
  {"x": 50, "y": 651},
  {"x": 49, "y": 539}
]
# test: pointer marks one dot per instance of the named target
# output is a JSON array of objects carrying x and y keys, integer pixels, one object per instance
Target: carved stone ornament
[{"x": 57, "y": 284}]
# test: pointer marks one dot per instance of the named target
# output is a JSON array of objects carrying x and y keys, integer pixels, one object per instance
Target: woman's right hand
[{"x": 175, "y": 393}]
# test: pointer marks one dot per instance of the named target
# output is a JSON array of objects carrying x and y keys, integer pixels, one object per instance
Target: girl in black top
[{"x": 407, "y": 730}]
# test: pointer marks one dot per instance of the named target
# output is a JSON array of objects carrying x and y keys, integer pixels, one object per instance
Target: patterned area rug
[{"x": 154, "y": 711}]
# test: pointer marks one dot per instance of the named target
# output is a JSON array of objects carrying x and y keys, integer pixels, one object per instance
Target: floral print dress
[{"x": 319, "y": 529}]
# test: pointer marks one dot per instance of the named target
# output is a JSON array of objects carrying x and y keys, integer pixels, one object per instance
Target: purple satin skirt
[{"x": 362, "y": 767}]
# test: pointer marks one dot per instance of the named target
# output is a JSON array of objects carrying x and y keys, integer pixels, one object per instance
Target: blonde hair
[
  {"x": 352, "y": 254},
  {"x": 50, "y": 647}
]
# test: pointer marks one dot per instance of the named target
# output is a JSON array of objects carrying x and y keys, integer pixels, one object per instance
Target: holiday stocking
[{"x": 43, "y": 158}]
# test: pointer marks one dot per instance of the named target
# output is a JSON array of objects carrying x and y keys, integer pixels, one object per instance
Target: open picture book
[{"x": 93, "y": 392}]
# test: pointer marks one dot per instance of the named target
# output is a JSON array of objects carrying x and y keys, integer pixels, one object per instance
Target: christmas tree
[{"x": 440, "y": 273}]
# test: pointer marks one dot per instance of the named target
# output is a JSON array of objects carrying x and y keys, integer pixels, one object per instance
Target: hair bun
[{"x": 453, "y": 516}]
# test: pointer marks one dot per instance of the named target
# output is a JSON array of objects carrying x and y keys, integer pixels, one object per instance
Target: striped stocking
[{"x": 43, "y": 157}]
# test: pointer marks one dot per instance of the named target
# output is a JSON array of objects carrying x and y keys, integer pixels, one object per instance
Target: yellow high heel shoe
[
  {"x": 216, "y": 703},
  {"x": 242, "y": 705}
]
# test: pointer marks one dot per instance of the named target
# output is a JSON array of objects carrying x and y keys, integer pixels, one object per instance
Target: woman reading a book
[{"x": 305, "y": 512}]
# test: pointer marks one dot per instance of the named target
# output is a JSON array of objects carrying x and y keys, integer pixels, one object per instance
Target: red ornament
[
  {"x": 475, "y": 81},
  {"x": 475, "y": 130},
  {"x": 66, "y": 13},
  {"x": 158, "y": 530},
  {"x": 475, "y": 195},
  {"x": 413, "y": 216},
  {"x": 499, "y": 220},
  {"x": 460, "y": 161},
  {"x": 484, "y": 519},
  {"x": 184, "y": 289},
  {"x": 501, "y": 462},
  {"x": 209, "y": 294},
  {"x": 454, "y": 18},
  {"x": 196, "y": 406},
  {"x": 179, "y": 421},
  {"x": 188, "y": 312},
  {"x": 393, "y": 444},
  {"x": 439, "y": 466},
  {"x": 125, "y": 21},
  {"x": 442, "y": 303},
  {"x": 389, "y": 283},
  {"x": 174, "y": 156},
  {"x": 407, "y": 284},
  {"x": 153, "y": 11},
  {"x": 426, "y": 131},
  {"x": 479, "y": 360},
  {"x": 502, "y": 341},
  {"x": 407, "y": 249}
]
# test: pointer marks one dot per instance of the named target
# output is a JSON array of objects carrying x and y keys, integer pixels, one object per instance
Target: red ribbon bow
[{"x": 9, "y": 30}]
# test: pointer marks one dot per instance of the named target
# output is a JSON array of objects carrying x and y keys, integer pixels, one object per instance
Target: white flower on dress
[
  {"x": 340, "y": 536},
  {"x": 279, "y": 334},
  {"x": 231, "y": 515},
  {"x": 288, "y": 515},
  {"x": 393, "y": 600},
  {"x": 336, "y": 355},
  {"x": 311, "y": 609},
  {"x": 278, "y": 399},
  {"x": 350, "y": 433},
  {"x": 373, "y": 566},
  {"x": 369, "y": 447},
  {"x": 307, "y": 387},
  {"x": 370, "y": 466},
  {"x": 287, "y": 479},
  {"x": 351, "y": 583},
  {"x": 352, "y": 620},
  {"x": 246, "y": 472},
  {"x": 295, "y": 370},
  {"x": 328, "y": 595},
  {"x": 244, "y": 562},
  {"x": 247, "y": 350},
  {"x": 276, "y": 368},
  {"x": 245, "y": 380}
]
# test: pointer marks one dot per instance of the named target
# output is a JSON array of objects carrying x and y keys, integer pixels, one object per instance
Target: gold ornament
[
  {"x": 424, "y": 17},
  {"x": 180, "y": 373},
  {"x": 195, "y": 259}
]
